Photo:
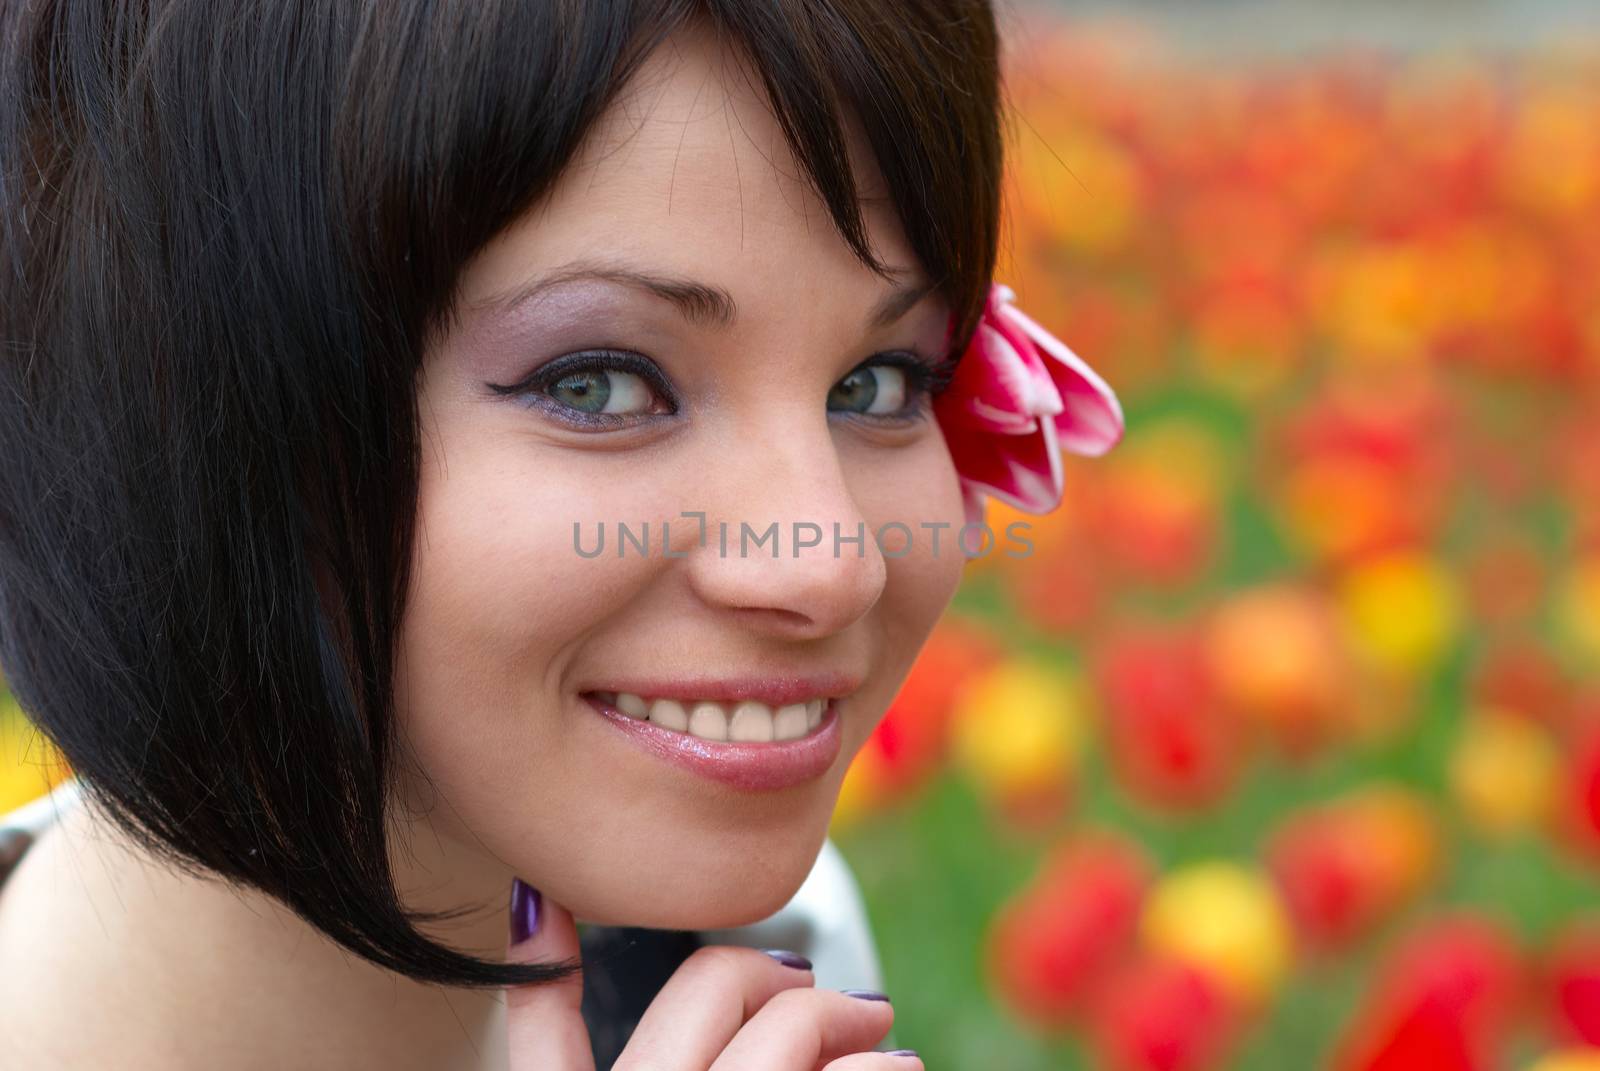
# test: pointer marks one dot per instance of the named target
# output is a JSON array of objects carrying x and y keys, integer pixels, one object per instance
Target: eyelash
[
  {"x": 533, "y": 386},
  {"x": 926, "y": 378}
]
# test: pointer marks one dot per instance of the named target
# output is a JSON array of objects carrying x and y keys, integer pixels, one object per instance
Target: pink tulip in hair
[{"x": 1018, "y": 398}]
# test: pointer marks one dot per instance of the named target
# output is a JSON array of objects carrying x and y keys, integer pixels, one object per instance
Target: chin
[{"x": 717, "y": 893}]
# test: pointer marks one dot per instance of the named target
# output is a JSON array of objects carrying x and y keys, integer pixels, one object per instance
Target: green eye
[
  {"x": 877, "y": 390},
  {"x": 600, "y": 390}
]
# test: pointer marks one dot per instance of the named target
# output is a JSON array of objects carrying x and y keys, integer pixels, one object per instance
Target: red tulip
[
  {"x": 1522, "y": 677},
  {"x": 1173, "y": 744},
  {"x": 1442, "y": 1002},
  {"x": 1572, "y": 975},
  {"x": 1156, "y": 530},
  {"x": 1578, "y": 804},
  {"x": 1050, "y": 947},
  {"x": 1163, "y": 1015},
  {"x": 1367, "y": 466},
  {"x": 1346, "y": 866}
]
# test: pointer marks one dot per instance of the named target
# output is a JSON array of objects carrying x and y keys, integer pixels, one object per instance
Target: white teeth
[
  {"x": 750, "y": 721},
  {"x": 669, "y": 714},
  {"x": 790, "y": 722},
  {"x": 708, "y": 721}
]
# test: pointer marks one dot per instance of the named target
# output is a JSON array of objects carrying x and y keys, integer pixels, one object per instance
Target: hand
[{"x": 726, "y": 1008}]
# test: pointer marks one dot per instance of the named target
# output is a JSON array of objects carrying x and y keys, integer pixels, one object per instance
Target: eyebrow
[{"x": 698, "y": 302}]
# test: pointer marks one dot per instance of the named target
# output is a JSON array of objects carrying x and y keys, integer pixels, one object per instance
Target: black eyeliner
[
  {"x": 605, "y": 360},
  {"x": 932, "y": 374},
  {"x": 926, "y": 377}
]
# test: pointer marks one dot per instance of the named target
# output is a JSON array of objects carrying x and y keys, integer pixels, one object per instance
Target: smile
[
  {"x": 747, "y": 721},
  {"x": 696, "y": 735}
]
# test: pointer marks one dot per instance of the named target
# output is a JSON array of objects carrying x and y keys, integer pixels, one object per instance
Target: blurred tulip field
[{"x": 1282, "y": 749}]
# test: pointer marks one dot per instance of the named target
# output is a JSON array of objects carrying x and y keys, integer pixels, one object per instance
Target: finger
[
  {"x": 897, "y": 1060},
  {"x": 799, "y": 1029},
  {"x": 544, "y": 1023},
  {"x": 706, "y": 1002}
]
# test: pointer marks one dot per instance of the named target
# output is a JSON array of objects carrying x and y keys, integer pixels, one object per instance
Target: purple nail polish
[
  {"x": 901, "y": 1052},
  {"x": 525, "y": 903},
  {"x": 865, "y": 994},
  {"x": 789, "y": 959}
]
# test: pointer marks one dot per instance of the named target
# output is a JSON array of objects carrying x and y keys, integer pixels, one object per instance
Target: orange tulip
[{"x": 1346, "y": 866}]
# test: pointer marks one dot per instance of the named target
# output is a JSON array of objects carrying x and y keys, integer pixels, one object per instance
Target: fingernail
[
  {"x": 525, "y": 901},
  {"x": 865, "y": 994},
  {"x": 901, "y": 1052},
  {"x": 789, "y": 959}
]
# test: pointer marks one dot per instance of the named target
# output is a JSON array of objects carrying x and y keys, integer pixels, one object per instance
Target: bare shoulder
[
  {"x": 80, "y": 986},
  {"x": 66, "y": 990},
  {"x": 108, "y": 959}
]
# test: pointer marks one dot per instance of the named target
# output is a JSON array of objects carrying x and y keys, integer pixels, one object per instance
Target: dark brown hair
[{"x": 228, "y": 231}]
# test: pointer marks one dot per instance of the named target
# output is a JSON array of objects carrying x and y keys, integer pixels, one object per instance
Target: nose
[{"x": 786, "y": 548}]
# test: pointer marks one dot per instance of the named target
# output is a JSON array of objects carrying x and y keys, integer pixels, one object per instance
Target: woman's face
[{"x": 515, "y": 643}]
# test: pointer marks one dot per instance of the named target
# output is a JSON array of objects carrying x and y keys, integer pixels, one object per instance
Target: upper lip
[{"x": 774, "y": 689}]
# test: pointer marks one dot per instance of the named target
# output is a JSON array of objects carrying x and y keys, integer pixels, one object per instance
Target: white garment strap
[{"x": 34, "y": 816}]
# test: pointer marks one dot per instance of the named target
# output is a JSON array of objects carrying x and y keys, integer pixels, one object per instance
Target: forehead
[{"x": 688, "y": 170}]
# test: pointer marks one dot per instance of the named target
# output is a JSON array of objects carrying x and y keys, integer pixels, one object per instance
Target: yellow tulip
[
  {"x": 1502, "y": 772},
  {"x": 1019, "y": 727},
  {"x": 1578, "y": 610},
  {"x": 1225, "y": 919},
  {"x": 1402, "y": 610}
]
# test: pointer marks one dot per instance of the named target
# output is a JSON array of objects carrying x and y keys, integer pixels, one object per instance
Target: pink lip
[{"x": 753, "y": 766}]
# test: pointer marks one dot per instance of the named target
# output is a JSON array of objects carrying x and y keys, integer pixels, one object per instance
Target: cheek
[
  {"x": 913, "y": 499},
  {"x": 499, "y": 596}
]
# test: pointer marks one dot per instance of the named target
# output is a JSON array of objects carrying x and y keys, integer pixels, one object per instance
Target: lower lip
[{"x": 753, "y": 766}]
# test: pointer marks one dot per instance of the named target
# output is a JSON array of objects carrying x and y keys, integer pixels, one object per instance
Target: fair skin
[{"x": 507, "y": 628}]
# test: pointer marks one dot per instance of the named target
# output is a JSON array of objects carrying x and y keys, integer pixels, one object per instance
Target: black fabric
[
  {"x": 13, "y": 844},
  {"x": 624, "y": 967}
]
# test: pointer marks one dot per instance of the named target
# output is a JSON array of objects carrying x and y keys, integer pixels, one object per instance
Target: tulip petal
[
  {"x": 998, "y": 387},
  {"x": 1024, "y": 470},
  {"x": 1091, "y": 421},
  {"x": 1019, "y": 397}
]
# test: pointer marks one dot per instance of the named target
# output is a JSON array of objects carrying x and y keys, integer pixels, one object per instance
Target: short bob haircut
[{"x": 228, "y": 233}]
